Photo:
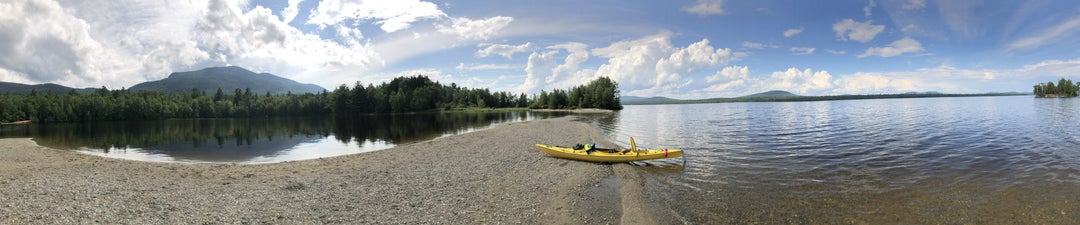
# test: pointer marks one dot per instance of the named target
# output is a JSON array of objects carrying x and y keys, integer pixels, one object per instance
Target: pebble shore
[{"x": 484, "y": 177}]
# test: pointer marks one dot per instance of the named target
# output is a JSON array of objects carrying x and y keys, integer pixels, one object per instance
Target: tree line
[
  {"x": 1063, "y": 88},
  {"x": 602, "y": 93},
  {"x": 417, "y": 93},
  {"x": 402, "y": 94},
  {"x": 105, "y": 104}
]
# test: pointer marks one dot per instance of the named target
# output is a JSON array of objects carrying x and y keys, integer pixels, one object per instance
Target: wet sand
[{"x": 489, "y": 176}]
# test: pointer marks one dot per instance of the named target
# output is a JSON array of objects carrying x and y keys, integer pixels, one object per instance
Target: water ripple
[{"x": 865, "y": 145}]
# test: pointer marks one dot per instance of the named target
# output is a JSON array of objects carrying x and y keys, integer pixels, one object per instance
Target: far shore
[
  {"x": 489, "y": 176},
  {"x": 588, "y": 110}
]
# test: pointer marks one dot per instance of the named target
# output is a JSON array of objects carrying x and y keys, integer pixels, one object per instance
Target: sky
[{"x": 683, "y": 49}]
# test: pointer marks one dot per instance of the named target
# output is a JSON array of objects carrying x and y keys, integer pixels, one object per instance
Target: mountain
[
  {"x": 228, "y": 79},
  {"x": 645, "y": 100},
  {"x": 24, "y": 89},
  {"x": 771, "y": 94}
]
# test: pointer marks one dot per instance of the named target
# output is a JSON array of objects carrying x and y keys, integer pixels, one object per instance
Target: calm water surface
[
  {"x": 257, "y": 140},
  {"x": 928, "y": 160}
]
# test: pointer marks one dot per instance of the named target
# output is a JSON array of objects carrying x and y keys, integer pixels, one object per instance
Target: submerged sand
[{"x": 490, "y": 176}]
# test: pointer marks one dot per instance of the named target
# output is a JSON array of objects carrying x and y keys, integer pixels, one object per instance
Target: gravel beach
[{"x": 490, "y": 176}]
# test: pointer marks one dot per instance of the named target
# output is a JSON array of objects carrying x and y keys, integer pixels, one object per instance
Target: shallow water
[
  {"x": 261, "y": 140},
  {"x": 926, "y": 160}
]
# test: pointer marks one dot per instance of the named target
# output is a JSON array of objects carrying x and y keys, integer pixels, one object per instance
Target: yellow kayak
[{"x": 619, "y": 155}]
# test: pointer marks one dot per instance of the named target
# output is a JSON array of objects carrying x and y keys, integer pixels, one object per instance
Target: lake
[
  {"x": 881, "y": 161},
  {"x": 265, "y": 140},
  {"x": 920, "y": 160}
]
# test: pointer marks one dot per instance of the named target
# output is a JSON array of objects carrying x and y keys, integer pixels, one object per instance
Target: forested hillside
[
  {"x": 403, "y": 94},
  {"x": 227, "y": 78}
]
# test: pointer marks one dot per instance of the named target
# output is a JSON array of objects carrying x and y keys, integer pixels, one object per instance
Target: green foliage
[
  {"x": 1063, "y": 88},
  {"x": 104, "y": 104},
  {"x": 402, "y": 94},
  {"x": 602, "y": 93},
  {"x": 416, "y": 93}
]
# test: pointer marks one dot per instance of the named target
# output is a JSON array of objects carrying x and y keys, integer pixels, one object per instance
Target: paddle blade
[{"x": 633, "y": 145}]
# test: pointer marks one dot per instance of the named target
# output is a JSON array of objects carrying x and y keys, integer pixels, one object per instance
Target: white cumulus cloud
[
  {"x": 727, "y": 79},
  {"x": 689, "y": 60},
  {"x": 797, "y": 81},
  {"x": 121, "y": 43},
  {"x": 955, "y": 80},
  {"x": 289, "y": 12},
  {"x": 651, "y": 64},
  {"x": 848, "y": 29},
  {"x": 89, "y": 44},
  {"x": 544, "y": 71},
  {"x": 735, "y": 81},
  {"x": 538, "y": 70},
  {"x": 898, "y": 47},
  {"x": 577, "y": 53}
]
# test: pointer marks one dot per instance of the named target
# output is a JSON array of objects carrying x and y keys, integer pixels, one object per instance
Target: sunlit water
[
  {"x": 264, "y": 140},
  {"x": 974, "y": 159}
]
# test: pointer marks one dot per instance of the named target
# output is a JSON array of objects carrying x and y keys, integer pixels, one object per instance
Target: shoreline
[
  {"x": 585, "y": 110},
  {"x": 492, "y": 175}
]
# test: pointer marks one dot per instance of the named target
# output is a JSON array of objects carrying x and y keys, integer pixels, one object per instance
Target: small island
[{"x": 1064, "y": 88}]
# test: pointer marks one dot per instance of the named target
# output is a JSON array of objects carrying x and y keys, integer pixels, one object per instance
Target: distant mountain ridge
[
  {"x": 24, "y": 89},
  {"x": 784, "y": 96},
  {"x": 228, "y": 79},
  {"x": 771, "y": 94},
  {"x": 636, "y": 99},
  {"x": 208, "y": 80}
]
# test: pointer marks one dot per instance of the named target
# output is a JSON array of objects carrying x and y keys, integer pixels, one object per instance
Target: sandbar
[{"x": 494, "y": 175}]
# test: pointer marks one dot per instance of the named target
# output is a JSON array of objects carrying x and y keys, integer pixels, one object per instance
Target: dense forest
[
  {"x": 402, "y": 94},
  {"x": 1063, "y": 88},
  {"x": 601, "y": 93}
]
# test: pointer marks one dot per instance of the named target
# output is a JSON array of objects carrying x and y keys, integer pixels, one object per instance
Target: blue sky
[{"x": 682, "y": 49}]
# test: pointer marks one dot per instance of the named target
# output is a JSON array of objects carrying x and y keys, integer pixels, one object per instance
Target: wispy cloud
[
  {"x": 868, "y": 10},
  {"x": 755, "y": 45},
  {"x": 802, "y": 50},
  {"x": 848, "y": 29},
  {"x": 706, "y": 8},
  {"x": 480, "y": 29},
  {"x": 1047, "y": 36},
  {"x": 904, "y": 45},
  {"x": 391, "y": 15},
  {"x": 462, "y": 66},
  {"x": 914, "y": 4},
  {"x": 507, "y": 51},
  {"x": 792, "y": 32}
]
